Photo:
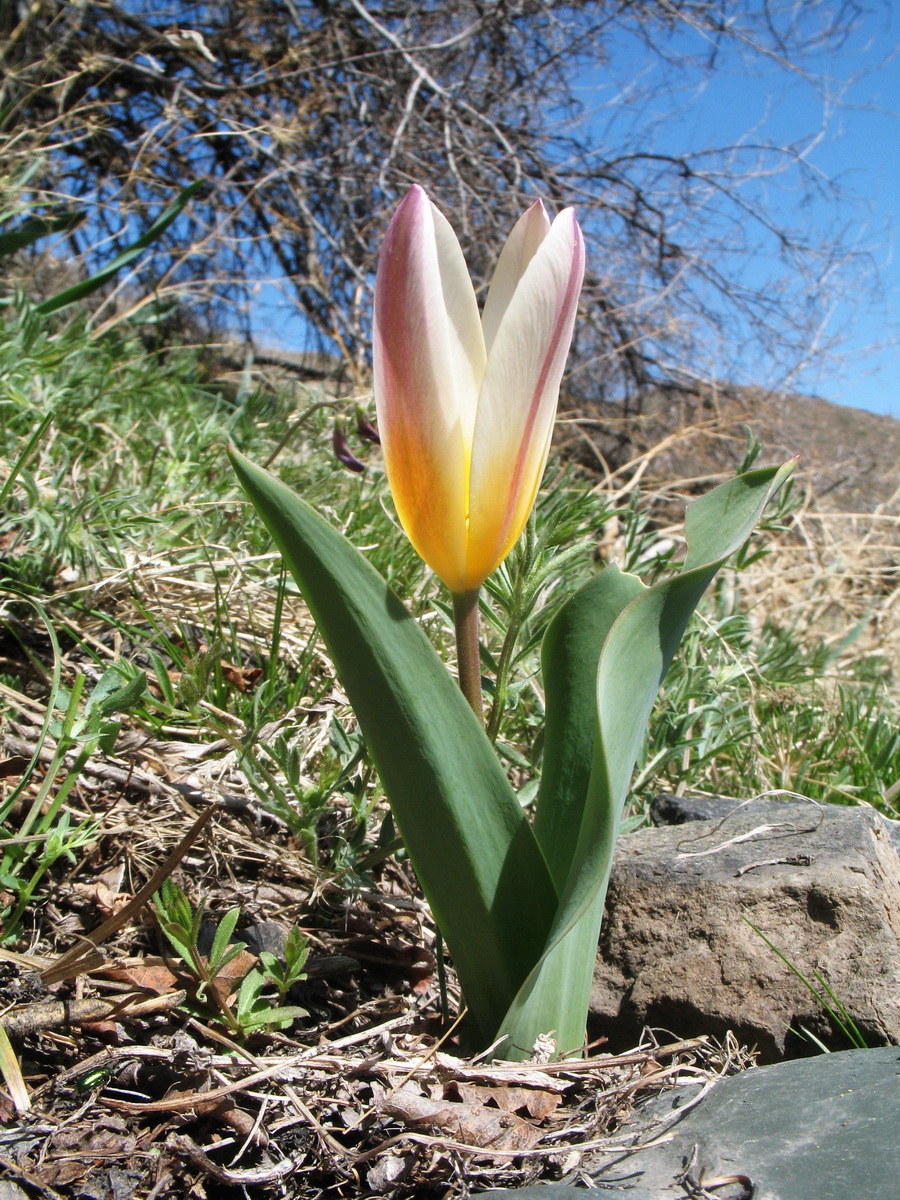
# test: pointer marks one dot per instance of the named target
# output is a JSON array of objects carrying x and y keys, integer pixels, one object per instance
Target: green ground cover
[{"x": 125, "y": 538}]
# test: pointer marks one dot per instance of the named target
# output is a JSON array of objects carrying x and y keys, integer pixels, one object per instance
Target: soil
[{"x": 137, "y": 1087}]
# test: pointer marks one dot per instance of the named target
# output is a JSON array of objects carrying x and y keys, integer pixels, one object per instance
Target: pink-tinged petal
[
  {"x": 517, "y": 403},
  {"x": 521, "y": 246},
  {"x": 429, "y": 360}
]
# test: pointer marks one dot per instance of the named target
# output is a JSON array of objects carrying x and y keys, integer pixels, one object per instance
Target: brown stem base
[{"x": 465, "y": 619}]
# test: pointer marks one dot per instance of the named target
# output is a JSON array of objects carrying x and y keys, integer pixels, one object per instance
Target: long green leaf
[
  {"x": 35, "y": 228},
  {"x": 569, "y": 655},
  {"x": 470, "y": 843},
  {"x": 635, "y": 655},
  {"x": 87, "y": 287}
]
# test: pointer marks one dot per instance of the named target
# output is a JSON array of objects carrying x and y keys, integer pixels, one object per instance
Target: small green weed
[
  {"x": 76, "y": 727},
  {"x": 243, "y": 1010},
  {"x": 743, "y": 710}
]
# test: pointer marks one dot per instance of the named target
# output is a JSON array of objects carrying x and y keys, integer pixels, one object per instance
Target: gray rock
[
  {"x": 12, "y": 1191},
  {"x": 816, "y": 1129},
  {"x": 666, "y": 809},
  {"x": 547, "y": 1191},
  {"x": 264, "y": 935},
  {"x": 677, "y": 952}
]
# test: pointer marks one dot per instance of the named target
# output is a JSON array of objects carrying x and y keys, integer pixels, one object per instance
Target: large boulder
[
  {"x": 821, "y": 1129},
  {"x": 678, "y": 950}
]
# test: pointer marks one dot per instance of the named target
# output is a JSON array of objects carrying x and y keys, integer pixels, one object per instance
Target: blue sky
[{"x": 850, "y": 131}]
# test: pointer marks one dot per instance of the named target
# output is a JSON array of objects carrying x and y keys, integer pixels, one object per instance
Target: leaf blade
[
  {"x": 633, "y": 660},
  {"x": 469, "y": 840},
  {"x": 79, "y": 291},
  {"x": 570, "y": 652}
]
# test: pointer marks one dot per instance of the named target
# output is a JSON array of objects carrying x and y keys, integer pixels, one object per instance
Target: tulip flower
[
  {"x": 465, "y": 411},
  {"x": 466, "y": 403}
]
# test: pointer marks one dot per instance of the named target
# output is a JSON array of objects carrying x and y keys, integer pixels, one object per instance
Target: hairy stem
[{"x": 503, "y": 669}]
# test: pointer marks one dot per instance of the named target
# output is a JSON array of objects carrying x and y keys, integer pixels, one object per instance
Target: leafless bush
[{"x": 309, "y": 118}]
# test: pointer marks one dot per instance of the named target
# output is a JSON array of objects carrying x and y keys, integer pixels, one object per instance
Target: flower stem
[{"x": 465, "y": 620}]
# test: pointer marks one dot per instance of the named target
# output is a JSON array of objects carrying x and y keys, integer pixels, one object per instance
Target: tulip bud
[
  {"x": 466, "y": 403},
  {"x": 365, "y": 428}
]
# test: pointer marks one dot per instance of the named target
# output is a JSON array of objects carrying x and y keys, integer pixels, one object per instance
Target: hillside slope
[{"x": 850, "y": 458}]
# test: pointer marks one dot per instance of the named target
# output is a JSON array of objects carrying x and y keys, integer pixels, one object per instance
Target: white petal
[
  {"x": 429, "y": 360},
  {"x": 467, "y": 356},
  {"x": 521, "y": 246},
  {"x": 517, "y": 404}
]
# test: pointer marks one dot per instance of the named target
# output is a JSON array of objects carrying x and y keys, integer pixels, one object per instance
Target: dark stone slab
[
  {"x": 820, "y": 1128},
  {"x": 666, "y": 809}
]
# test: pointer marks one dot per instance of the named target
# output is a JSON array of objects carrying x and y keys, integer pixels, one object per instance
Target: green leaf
[
  {"x": 283, "y": 1017},
  {"x": 222, "y": 936},
  {"x": 248, "y": 996},
  {"x": 216, "y": 966},
  {"x": 87, "y": 287},
  {"x": 633, "y": 659},
  {"x": 273, "y": 968},
  {"x": 180, "y": 940},
  {"x": 253, "y": 1010},
  {"x": 163, "y": 679},
  {"x": 470, "y": 843},
  {"x": 569, "y": 655},
  {"x": 35, "y": 228},
  {"x": 115, "y": 692},
  {"x": 196, "y": 922},
  {"x": 296, "y": 952}
]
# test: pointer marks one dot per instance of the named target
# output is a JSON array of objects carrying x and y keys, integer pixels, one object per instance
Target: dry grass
[{"x": 834, "y": 572}]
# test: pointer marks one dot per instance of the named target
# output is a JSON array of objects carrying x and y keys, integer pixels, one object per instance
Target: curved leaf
[
  {"x": 87, "y": 287},
  {"x": 633, "y": 660},
  {"x": 470, "y": 843},
  {"x": 569, "y": 655}
]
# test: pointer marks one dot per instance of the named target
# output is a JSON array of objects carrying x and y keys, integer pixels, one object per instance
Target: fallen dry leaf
[
  {"x": 537, "y": 1102},
  {"x": 244, "y": 679},
  {"x": 472, "y": 1124},
  {"x": 13, "y": 767},
  {"x": 147, "y": 977}
]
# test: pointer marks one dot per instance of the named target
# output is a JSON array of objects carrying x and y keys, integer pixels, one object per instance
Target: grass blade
[{"x": 87, "y": 287}]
